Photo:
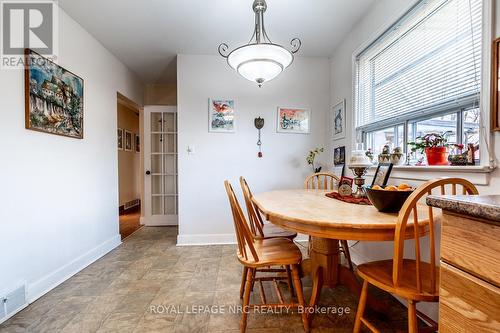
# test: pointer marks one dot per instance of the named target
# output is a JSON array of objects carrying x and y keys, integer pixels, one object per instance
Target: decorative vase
[{"x": 437, "y": 155}]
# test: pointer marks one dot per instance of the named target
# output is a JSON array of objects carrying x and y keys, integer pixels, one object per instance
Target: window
[{"x": 422, "y": 75}]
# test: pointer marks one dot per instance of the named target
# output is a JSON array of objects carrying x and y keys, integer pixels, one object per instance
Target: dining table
[{"x": 327, "y": 221}]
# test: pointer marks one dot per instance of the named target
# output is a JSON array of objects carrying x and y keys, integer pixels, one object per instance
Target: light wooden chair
[
  {"x": 414, "y": 280},
  {"x": 257, "y": 226},
  {"x": 256, "y": 254},
  {"x": 326, "y": 181},
  {"x": 261, "y": 230}
]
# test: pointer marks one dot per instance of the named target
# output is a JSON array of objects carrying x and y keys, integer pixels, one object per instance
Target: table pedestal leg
[{"x": 325, "y": 268}]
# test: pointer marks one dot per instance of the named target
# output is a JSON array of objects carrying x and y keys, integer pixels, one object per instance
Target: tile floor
[{"x": 126, "y": 291}]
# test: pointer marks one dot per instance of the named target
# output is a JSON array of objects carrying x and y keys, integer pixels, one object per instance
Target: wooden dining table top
[{"x": 313, "y": 213}]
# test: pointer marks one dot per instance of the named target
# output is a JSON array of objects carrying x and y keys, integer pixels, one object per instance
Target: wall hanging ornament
[{"x": 259, "y": 123}]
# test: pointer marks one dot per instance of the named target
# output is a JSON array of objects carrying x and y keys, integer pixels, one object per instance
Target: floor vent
[
  {"x": 132, "y": 203},
  {"x": 11, "y": 302}
]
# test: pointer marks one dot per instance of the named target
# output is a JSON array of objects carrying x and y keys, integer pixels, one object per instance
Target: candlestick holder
[{"x": 359, "y": 172}]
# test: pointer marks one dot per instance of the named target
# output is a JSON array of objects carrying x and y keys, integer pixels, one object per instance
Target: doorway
[{"x": 129, "y": 165}]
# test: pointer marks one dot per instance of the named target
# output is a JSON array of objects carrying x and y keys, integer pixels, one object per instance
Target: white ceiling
[{"x": 146, "y": 35}]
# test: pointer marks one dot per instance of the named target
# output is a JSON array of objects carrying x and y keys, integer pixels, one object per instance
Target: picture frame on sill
[
  {"x": 120, "y": 139},
  {"x": 495, "y": 87},
  {"x": 221, "y": 116},
  {"x": 382, "y": 174},
  {"x": 338, "y": 121},
  {"x": 293, "y": 120},
  {"x": 128, "y": 140}
]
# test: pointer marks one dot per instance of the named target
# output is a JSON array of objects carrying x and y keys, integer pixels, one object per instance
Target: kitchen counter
[{"x": 482, "y": 206}]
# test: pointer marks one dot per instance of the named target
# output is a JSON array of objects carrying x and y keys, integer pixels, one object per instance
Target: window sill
[{"x": 478, "y": 175}]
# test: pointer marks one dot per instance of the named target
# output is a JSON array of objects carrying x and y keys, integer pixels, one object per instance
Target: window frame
[
  {"x": 458, "y": 111},
  {"x": 488, "y": 19}
]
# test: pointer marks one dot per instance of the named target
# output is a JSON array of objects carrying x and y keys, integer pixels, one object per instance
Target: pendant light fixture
[{"x": 260, "y": 60}]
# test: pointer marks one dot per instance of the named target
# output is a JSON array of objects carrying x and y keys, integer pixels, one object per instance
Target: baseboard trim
[
  {"x": 216, "y": 239},
  {"x": 50, "y": 281},
  {"x": 205, "y": 239}
]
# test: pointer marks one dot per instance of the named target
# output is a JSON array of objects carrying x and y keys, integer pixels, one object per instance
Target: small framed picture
[
  {"x": 382, "y": 174},
  {"x": 339, "y": 156},
  {"x": 495, "y": 88},
  {"x": 137, "y": 143},
  {"x": 221, "y": 116},
  {"x": 293, "y": 120},
  {"x": 128, "y": 140},
  {"x": 338, "y": 170},
  {"x": 120, "y": 139},
  {"x": 338, "y": 121}
]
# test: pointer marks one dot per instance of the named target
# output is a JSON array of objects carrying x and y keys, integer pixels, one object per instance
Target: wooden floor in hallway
[
  {"x": 148, "y": 284},
  {"x": 130, "y": 222}
]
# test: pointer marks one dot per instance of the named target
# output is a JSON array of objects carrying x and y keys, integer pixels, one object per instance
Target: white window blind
[{"x": 428, "y": 61}]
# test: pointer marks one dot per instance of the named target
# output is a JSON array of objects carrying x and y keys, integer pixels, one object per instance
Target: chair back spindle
[
  {"x": 254, "y": 217},
  {"x": 244, "y": 236},
  {"x": 321, "y": 181},
  {"x": 410, "y": 209}
]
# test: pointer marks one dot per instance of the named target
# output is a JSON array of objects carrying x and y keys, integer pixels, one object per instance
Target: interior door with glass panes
[{"x": 160, "y": 163}]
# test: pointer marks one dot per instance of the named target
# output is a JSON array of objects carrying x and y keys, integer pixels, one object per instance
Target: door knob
[{"x": 148, "y": 172}]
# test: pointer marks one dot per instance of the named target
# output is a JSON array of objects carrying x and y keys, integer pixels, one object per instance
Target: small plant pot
[{"x": 437, "y": 155}]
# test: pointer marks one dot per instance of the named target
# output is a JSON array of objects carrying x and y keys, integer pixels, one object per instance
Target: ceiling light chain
[{"x": 260, "y": 60}]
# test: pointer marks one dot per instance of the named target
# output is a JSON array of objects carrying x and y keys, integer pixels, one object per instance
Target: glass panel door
[{"x": 161, "y": 163}]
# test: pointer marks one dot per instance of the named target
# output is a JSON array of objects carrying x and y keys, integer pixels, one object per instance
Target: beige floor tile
[{"x": 119, "y": 292}]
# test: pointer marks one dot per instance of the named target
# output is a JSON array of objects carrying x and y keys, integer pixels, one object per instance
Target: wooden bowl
[{"x": 387, "y": 201}]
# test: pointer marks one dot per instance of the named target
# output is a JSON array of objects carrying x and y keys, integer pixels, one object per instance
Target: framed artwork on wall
[
  {"x": 293, "y": 120},
  {"x": 53, "y": 98},
  {"x": 120, "y": 139},
  {"x": 137, "y": 143},
  {"x": 338, "y": 121},
  {"x": 128, "y": 140},
  {"x": 221, "y": 116},
  {"x": 382, "y": 174},
  {"x": 495, "y": 86},
  {"x": 339, "y": 155}
]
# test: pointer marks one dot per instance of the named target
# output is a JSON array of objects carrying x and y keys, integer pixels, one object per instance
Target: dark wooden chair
[
  {"x": 327, "y": 181},
  {"x": 411, "y": 279},
  {"x": 256, "y": 254}
]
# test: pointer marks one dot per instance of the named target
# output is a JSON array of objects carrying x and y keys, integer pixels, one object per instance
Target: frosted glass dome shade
[{"x": 260, "y": 62}]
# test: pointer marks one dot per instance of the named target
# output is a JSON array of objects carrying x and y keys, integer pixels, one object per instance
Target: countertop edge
[{"x": 485, "y": 210}]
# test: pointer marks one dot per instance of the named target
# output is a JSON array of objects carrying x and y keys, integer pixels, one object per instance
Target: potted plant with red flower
[{"x": 434, "y": 145}]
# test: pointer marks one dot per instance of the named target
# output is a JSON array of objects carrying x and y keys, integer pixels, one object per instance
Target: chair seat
[
  {"x": 271, "y": 252},
  {"x": 379, "y": 274},
  {"x": 273, "y": 231}
]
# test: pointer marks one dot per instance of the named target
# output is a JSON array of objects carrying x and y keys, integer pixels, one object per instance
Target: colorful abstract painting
[
  {"x": 293, "y": 120},
  {"x": 54, "y": 98},
  {"x": 221, "y": 116}
]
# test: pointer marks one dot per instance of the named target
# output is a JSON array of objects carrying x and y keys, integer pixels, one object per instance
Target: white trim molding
[
  {"x": 217, "y": 239},
  {"x": 39, "y": 288}
]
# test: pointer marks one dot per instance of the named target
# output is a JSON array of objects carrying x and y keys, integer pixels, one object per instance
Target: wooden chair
[
  {"x": 261, "y": 230},
  {"x": 326, "y": 181},
  {"x": 256, "y": 254},
  {"x": 413, "y": 280}
]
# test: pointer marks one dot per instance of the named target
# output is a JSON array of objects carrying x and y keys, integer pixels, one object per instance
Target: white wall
[
  {"x": 204, "y": 213},
  {"x": 381, "y": 15},
  {"x": 59, "y": 196}
]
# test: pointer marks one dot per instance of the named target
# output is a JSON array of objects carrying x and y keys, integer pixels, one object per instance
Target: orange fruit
[
  {"x": 403, "y": 186},
  {"x": 376, "y": 187},
  {"x": 391, "y": 188}
]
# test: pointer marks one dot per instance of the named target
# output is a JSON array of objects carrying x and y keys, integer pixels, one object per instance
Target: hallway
[{"x": 130, "y": 222}]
